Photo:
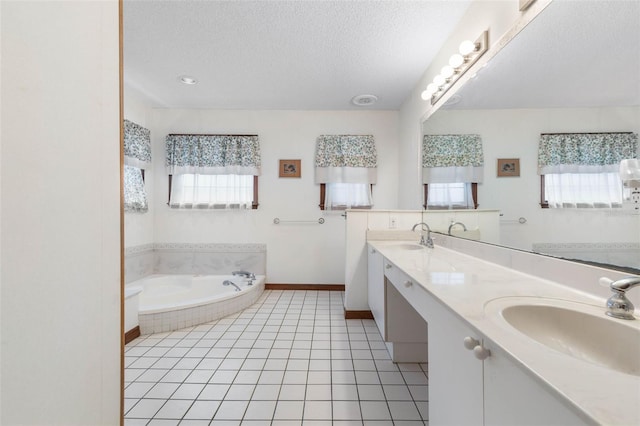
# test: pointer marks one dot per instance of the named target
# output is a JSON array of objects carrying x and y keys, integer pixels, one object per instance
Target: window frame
[
  {"x": 254, "y": 202},
  {"x": 474, "y": 195}
]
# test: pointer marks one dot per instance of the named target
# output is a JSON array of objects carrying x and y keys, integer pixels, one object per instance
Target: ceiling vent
[{"x": 364, "y": 100}]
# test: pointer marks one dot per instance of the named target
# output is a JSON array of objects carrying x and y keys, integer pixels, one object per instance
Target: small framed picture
[
  {"x": 508, "y": 167},
  {"x": 290, "y": 168}
]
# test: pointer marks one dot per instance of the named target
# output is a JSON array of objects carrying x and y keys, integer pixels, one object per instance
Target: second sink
[{"x": 579, "y": 330}]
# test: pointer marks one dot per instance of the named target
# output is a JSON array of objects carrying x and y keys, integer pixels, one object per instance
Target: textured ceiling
[
  {"x": 574, "y": 54},
  {"x": 303, "y": 54}
]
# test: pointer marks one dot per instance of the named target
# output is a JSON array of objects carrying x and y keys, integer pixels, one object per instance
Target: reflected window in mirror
[
  {"x": 581, "y": 170},
  {"x": 449, "y": 196},
  {"x": 581, "y": 190}
]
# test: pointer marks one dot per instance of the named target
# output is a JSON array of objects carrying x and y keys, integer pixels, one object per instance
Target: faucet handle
[{"x": 605, "y": 282}]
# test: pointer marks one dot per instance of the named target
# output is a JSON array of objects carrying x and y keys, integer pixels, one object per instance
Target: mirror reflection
[{"x": 574, "y": 69}]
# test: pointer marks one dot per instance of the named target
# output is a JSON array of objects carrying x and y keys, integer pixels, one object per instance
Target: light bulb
[
  {"x": 467, "y": 47},
  {"x": 439, "y": 80},
  {"x": 425, "y": 95},
  {"x": 447, "y": 71},
  {"x": 456, "y": 60},
  {"x": 432, "y": 88}
]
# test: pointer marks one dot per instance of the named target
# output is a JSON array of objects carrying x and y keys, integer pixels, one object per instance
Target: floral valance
[
  {"x": 213, "y": 154},
  {"x": 137, "y": 145},
  {"x": 135, "y": 196},
  {"x": 452, "y": 159},
  {"x": 585, "y": 152},
  {"x": 346, "y": 159}
]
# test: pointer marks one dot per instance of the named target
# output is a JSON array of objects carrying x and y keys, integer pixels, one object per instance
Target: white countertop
[{"x": 465, "y": 284}]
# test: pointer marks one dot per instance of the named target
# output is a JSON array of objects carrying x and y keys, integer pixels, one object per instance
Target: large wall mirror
[{"x": 574, "y": 69}]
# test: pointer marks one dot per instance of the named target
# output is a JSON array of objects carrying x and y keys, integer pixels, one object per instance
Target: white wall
[
  {"x": 60, "y": 230},
  {"x": 138, "y": 227},
  {"x": 296, "y": 253},
  {"x": 515, "y": 133}
]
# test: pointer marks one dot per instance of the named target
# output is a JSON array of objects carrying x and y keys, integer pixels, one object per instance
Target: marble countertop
[{"x": 466, "y": 284}]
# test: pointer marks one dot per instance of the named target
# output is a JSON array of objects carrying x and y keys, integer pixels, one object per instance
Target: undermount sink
[
  {"x": 410, "y": 246},
  {"x": 579, "y": 330}
]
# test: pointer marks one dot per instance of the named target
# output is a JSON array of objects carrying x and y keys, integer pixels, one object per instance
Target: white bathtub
[{"x": 171, "y": 302}]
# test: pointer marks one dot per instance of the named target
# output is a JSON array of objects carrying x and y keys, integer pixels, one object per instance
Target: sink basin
[
  {"x": 578, "y": 330},
  {"x": 410, "y": 246}
]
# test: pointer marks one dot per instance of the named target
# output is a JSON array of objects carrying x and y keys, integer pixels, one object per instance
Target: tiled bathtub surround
[
  {"x": 193, "y": 258},
  {"x": 627, "y": 254},
  {"x": 290, "y": 359}
]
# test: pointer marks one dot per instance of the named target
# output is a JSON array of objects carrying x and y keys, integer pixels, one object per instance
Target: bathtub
[{"x": 172, "y": 302}]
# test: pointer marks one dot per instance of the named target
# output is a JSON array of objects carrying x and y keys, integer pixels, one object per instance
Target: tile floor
[{"x": 289, "y": 359}]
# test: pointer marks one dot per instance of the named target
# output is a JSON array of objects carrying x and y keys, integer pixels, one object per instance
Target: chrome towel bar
[{"x": 277, "y": 221}]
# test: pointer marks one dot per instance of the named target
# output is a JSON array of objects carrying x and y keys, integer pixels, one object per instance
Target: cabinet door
[
  {"x": 455, "y": 375},
  {"x": 513, "y": 397},
  {"x": 375, "y": 281}
]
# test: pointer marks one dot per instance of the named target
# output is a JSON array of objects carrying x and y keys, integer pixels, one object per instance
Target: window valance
[
  {"x": 346, "y": 159},
  {"x": 585, "y": 152},
  {"x": 135, "y": 196},
  {"x": 137, "y": 145},
  {"x": 452, "y": 159},
  {"x": 213, "y": 154}
]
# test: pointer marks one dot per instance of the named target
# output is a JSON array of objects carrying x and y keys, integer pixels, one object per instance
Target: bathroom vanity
[{"x": 491, "y": 335}]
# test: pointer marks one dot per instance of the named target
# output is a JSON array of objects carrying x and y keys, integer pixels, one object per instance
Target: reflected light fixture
[{"x": 459, "y": 63}]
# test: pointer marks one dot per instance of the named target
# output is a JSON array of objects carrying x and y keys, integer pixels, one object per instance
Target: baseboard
[
  {"x": 358, "y": 314},
  {"x": 132, "y": 334},
  {"x": 321, "y": 287}
]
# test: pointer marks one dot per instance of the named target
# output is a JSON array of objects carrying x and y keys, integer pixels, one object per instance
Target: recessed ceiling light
[
  {"x": 186, "y": 79},
  {"x": 364, "y": 100}
]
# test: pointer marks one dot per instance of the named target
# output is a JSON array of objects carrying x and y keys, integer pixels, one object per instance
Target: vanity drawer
[{"x": 412, "y": 291}]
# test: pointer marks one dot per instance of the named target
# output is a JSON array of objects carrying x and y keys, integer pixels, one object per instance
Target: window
[
  {"x": 581, "y": 190},
  {"x": 443, "y": 196},
  {"x": 213, "y": 171},
  {"x": 195, "y": 191},
  {"x": 581, "y": 170},
  {"x": 346, "y": 169},
  {"x": 341, "y": 196}
]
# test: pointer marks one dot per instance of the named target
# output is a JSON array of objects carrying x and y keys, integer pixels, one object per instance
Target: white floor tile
[
  {"x": 371, "y": 393},
  {"x": 317, "y": 410},
  {"x": 318, "y": 392},
  {"x": 374, "y": 410},
  {"x": 238, "y": 392},
  {"x": 289, "y": 410},
  {"x": 346, "y": 410},
  {"x": 260, "y": 410},
  {"x": 292, "y": 392},
  {"x": 203, "y": 410},
  {"x": 403, "y": 410},
  {"x": 232, "y": 410},
  {"x": 174, "y": 409},
  {"x": 145, "y": 408},
  {"x": 344, "y": 392}
]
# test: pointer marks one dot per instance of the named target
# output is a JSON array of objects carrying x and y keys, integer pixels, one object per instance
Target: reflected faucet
[
  {"x": 464, "y": 228},
  {"x": 618, "y": 305},
  {"x": 428, "y": 242}
]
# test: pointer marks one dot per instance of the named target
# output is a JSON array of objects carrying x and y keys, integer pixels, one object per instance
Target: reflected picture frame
[
  {"x": 290, "y": 169},
  {"x": 508, "y": 167}
]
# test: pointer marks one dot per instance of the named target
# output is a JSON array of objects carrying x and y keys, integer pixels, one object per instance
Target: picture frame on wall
[
  {"x": 508, "y": 167},
  {"x": 290, "y": 169}
]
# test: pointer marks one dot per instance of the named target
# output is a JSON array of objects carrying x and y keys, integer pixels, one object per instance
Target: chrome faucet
[
  {"x": 464, "y": 228},
  {"x": 428, "y": 242},
  {"x": 227, "y": 282},
  {"x": 250, "y": 276},
  {"x": 618, "y": 305}
]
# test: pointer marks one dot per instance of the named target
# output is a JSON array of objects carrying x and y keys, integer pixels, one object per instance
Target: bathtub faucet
[
  {"x": 227, "y": 282},
  {"x": 250, "y": 276}
]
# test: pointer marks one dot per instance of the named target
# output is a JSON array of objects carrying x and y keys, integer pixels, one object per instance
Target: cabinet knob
[
  {"x": 388, "y": 266},
  {"x": 470, "y": 343},
  {"x": 408, "y": 284},
  {"x": 481, "y": 352}
]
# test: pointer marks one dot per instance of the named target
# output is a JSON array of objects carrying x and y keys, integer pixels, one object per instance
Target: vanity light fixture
[
  {"x": 186, "y": 79},
  {"x": 459, "y": 63}
]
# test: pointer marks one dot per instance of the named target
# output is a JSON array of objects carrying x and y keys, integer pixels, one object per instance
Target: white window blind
[
  {"x": 583, "y": 190},
  {"x": 450, "y": 196},
  {"x": 211, "y": 191},
  {"x": 348, "y": 195}
]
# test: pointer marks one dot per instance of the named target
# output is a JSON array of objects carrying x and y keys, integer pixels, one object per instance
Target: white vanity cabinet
[
  {"x": 472, "y": 382},
  {"x": 376, "y": 295}
]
